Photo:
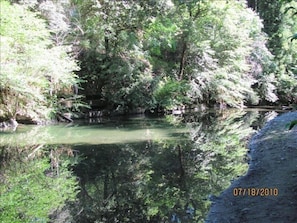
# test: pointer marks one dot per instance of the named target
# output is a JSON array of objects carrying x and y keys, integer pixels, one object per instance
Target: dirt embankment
[{"x": 268, "y": 191}]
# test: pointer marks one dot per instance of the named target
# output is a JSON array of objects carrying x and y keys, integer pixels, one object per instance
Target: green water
[
  {"x": 139, "y": 169},
  {"x": 134, "y": 129}
]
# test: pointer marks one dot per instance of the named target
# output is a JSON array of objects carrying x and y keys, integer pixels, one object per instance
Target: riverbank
[{"x": 268, "y": 191}]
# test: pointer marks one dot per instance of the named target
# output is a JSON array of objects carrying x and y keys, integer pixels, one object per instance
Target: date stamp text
[{"x": 253, "y": 192}]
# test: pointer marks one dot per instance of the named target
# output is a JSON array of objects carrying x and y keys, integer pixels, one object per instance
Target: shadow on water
[{"x": 146, "y": 170}]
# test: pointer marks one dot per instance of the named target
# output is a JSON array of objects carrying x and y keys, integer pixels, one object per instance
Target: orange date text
[{"x": 253, "y": 191}]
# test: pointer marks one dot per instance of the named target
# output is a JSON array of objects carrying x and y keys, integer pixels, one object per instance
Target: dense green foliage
[
  {"x": 146, "y": 55},
  {"x": 215, "y": 51},
  {"x": 35, "y": 72},
  {"x": 114, "y": 66}
]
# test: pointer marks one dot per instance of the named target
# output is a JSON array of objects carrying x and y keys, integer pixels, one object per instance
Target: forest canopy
[{"x": 147, "y": 55}]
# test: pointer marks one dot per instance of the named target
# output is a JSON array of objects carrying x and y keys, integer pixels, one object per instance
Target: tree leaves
[{"x": 33, "y": 69}]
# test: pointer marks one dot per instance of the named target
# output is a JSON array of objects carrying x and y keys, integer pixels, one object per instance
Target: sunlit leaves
[
  {"x": 32, "y": 69},
  {"x": 217, "y": 52},
  {"x": 218, "y": 62},
  {"x": 161, "y": 35}
]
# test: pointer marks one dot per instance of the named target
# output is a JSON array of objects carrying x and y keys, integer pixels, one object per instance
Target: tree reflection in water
[
  {"x": 165, "y": 180},
  {"x": 171, "y": 179},
  {"x": 31, "y": 188}
]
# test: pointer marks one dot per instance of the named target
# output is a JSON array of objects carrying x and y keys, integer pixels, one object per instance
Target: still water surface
[
  {"x": 139, "y": 169},
  {"x": 128, "y": 130}
]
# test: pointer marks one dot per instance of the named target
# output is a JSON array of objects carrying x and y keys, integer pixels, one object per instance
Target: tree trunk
[{"x": 182, "y": 60}]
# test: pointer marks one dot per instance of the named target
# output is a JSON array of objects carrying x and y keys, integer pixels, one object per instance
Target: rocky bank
[{"x": 268, "y": 191}]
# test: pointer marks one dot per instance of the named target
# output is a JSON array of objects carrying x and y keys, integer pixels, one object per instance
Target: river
[{"x": 139, "y": 169}]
